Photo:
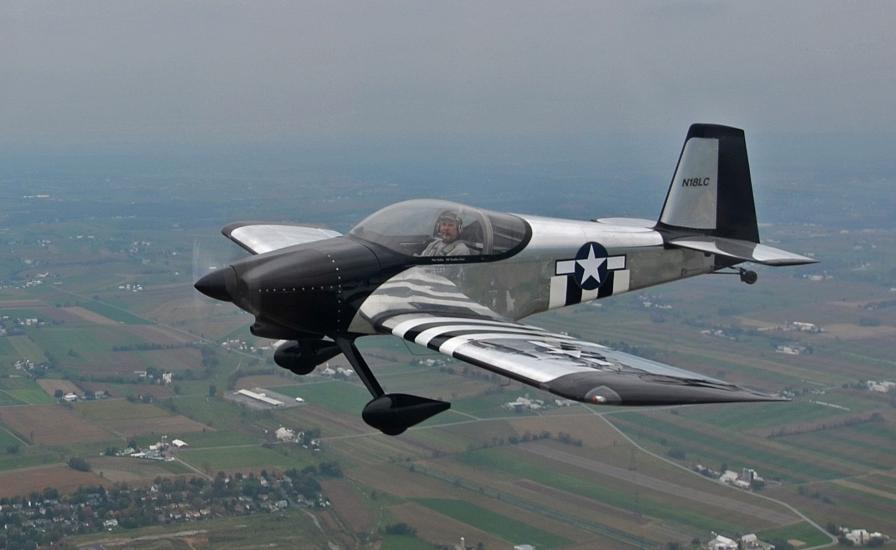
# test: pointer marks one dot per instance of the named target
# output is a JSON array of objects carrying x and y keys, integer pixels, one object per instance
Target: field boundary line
[
  {"x": 194, "y": 468},
  {"x": 15, "y": 435},
  {"x": 807, "y": 519}
]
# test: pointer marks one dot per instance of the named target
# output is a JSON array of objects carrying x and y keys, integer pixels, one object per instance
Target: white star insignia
[{"x": 591, "y": 265}]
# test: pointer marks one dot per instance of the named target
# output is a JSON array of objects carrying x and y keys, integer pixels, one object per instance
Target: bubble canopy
[{"x": 423, "y": 228}]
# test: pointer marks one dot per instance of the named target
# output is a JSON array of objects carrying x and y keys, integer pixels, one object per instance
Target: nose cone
[{"x": 218, "y": 284}]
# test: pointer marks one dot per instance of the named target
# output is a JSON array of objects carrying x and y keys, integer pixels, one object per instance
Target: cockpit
[{"x": 435, "y": 228}]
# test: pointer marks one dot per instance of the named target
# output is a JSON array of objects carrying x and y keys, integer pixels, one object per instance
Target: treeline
[
  {"x": 499, "y": 441},
  {"x": 150, "y": 346},
  {"x": 846, "y": 422}
]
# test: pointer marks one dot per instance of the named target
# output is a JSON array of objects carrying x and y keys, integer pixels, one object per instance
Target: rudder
[{"x": 711, "y": 191}]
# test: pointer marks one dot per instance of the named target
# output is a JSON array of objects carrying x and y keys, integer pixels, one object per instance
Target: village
[{"x": 45, "y": 518}]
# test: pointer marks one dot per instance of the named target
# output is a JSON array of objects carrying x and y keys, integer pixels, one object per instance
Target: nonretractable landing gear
[
  {"x": 746, "y": 275},
  {"x": 390, "y": 413}
]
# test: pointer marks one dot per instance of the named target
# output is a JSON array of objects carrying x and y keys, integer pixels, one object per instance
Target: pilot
[{"x": 446, "y": 237}]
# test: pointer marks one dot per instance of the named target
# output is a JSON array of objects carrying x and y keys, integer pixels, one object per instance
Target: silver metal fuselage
[{"x": 526, "y": 283}]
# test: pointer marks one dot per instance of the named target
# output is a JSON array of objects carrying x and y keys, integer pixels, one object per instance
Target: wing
[
  {"x": 430, "y": 311},
  {"x": 259, "y": 238}
]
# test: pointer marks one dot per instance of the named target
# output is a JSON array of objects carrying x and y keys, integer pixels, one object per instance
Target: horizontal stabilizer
[{"x": 742, "y": 250}]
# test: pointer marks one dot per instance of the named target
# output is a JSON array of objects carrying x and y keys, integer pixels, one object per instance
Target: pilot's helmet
[{"x": 448, "y": 216}]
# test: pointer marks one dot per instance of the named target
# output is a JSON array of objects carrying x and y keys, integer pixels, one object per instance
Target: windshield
[{"x": 434, "y": 228}]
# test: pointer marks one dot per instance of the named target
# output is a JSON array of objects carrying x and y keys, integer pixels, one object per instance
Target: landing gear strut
[{"x": 390, "y": 413}]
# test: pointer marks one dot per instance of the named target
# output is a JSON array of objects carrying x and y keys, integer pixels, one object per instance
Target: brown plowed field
[
  {"x": 89, "y": 316},
  {"x": 158, "y": 425},
  {"x": 131, "y": 470},
  {"x": 22, "y": 482},
  {"x": 160, "y": 335},
  {"x": 15, "y": 304},
  {"x": 440, "y": 529},
  {"x": 52, "y": 425},
  {"x": 349, "y": 504}
]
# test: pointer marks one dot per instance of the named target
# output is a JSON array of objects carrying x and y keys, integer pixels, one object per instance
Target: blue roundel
[{"x": 591, "y": 266}]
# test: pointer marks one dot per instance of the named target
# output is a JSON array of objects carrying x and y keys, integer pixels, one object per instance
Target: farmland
[{"x": 558, "y": 477}]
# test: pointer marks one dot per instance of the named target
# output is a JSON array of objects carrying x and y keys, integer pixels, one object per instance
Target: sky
[{"x": 99, "y": 74}]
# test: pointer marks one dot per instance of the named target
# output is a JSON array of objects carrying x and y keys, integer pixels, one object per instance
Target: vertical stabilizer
[{"x": 711, "y": 191}]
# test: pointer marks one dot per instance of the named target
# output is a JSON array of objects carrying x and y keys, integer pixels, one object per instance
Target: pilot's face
[{"x": 448, "y": 230}]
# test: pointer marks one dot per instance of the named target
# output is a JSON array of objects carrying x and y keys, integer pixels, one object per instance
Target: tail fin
[
  {"x": 711, "y": 191},
  {"x": 711, "y": 194}
]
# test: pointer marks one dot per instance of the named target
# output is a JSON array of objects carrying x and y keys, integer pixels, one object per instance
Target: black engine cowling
[{"x": 302, "y": 356}]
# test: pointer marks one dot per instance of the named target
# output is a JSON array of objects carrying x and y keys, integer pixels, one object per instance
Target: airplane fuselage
[{"x": 319, "y": 288}]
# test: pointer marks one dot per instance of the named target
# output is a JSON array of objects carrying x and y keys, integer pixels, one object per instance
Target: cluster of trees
[{"x": 78, "y": 463}]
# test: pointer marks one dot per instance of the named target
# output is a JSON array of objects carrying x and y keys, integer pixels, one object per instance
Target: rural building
[
  {"x": 525, "y": 403},
  {"x": 751, "y": 541},
  {"x": 728, "y": 476},
  {"x": 805, "y": 327},
  {"x": 883, "y": 386},
  {"x": 260, "y": 397},
  {"x": 721, "y": 543},
  {"x": 285, "y": 434},
  {"x": 861, "y": 537},
  {"x": 179, "y": 443},
  {"x": 792, "y": 349}
]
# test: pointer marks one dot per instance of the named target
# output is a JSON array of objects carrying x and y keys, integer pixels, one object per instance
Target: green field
[
  {"x": 214, "y": 412},
  {"x": 335, "y": 395},
  {"x": 800, "y": 531},
  {"x": 26, "y": 460},
  {"x": 31, "y": 396},
  {"x": 744, "y": 417},
  {"x": 508, "y": 463},
  {"x": 252, "y": 456},
  {"x": 27, "y": 348},
  {"x": 24, "y": 390},
  {"x": 722, "y": 446},
  {"x": 7, "y": 399},
  {"x": 201, "y": 440},
  {"x": 117, "y": 409},
  {"x": 6, "y": 349},
  {"x": 509, "y": 529},
  {"x": 73, "y": 343},
  {"x": 404, "y": 542},
  {"x": 112, "y": 312},
  {"x": 7, "y": 439},
  {"x": 850, "y": 445}
]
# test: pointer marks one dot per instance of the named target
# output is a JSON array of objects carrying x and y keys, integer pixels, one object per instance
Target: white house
[{"x": 721, "y": 543}]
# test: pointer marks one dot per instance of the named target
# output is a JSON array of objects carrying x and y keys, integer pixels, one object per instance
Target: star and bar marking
[{"x": 592, "y": 269}]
